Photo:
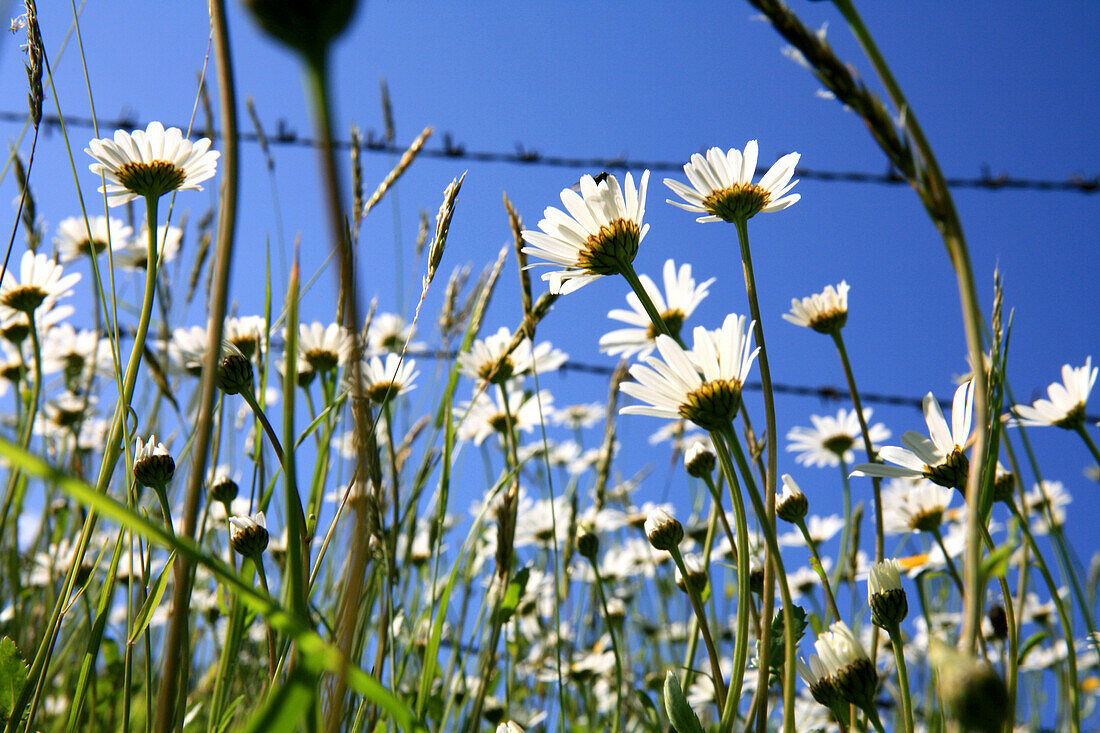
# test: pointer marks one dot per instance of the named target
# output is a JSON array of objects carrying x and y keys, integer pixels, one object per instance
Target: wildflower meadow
[{"x": 311, "y": 421}]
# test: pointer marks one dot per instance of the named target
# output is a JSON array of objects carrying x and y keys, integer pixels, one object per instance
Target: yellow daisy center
[
  {"x": 713, "y": 405},
  {"x": 611, "y": 249},
  {"x": 151, "y": 179},
  {"x": 737, "y": 203}
]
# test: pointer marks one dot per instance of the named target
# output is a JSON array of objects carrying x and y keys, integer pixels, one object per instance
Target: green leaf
[
  {"x": 317, "y": 656},
  {"x": 153, "y": 600},
  {"x": 776, "y": 656},
  {"x": 13, "y": 674},
  {"x": 1033, "y": 641},
  {"x": 651, "y": 714},
  {"x": 285, "y": 707},
  {"x": 996, "y": 564},
  {"x": 512, "y": 595},
  {"x": 680, "y": 714}
]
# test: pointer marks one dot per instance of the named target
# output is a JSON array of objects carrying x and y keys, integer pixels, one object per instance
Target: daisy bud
[
  {"x": 998, "y": 620},
  {"x": 509, "y": 727},
  {"x": 952, "y": 473},
  {"x": 887, "y": 600},
  {"x": 971, "y": 690},
  {"x": 848, "y": 665},
  {"x": 248, "y": 535},
  {"x": 588, "y": 545},
  {"x": 663, "y": 532},
  {"x": 223, "y": 489},
  {"x": 616, "y": 611},
  {"x": 791, "y": 504},
  {"x": 153, "y": 466},
  {"x": 822, "y": 687},
  {"x": 756, "y": 576},
  {"x": 696, "y": 575},
  {"x": 307, "y": 27},
  {"x": 1004, "y": 485},
  {"x": 234, "y": 372},
  {"x": 699, "y": 460}
]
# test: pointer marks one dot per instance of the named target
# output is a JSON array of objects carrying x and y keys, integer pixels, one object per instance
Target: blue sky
[{"x": 1011, "y": 86}]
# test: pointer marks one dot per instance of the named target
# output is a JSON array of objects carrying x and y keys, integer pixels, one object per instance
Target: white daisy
[
  {"x": 385, "y": 380},
  {"x": 820, "y": 529},
  {"x": 76, "y": 353},
  {"x": 702, "y": 385},
  {"x": 831, "y": 439},
  {"x": 578, "y": 417},
  {"x": 722, "y": 186},
  {"x": 75, "y": 240},
  {"x": 824, "y": 312},
  {"x": 485, "y": 415},
  {"x": 940, "y": 459},
  {"x": 598, "y": 236},
  {"x": 244, "y": 332},
  {"x": 487, "y": 359},
  {"x": 679, "y": 301},
  {"x": 150, "y": 162},
  {"x": 1050, "y": 494},
  {"x": 40, "y": 285},
  {"x": 133, "y": 254},
  {"x": 388, "y": 332},
  {"x": 323, "y": 347},
  {"x": 1066, "y": 406},
  {"x": 186, "y": 350},
  {"x": 914, "y": 506}
]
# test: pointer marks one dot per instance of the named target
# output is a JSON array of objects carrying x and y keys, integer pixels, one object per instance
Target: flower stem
[
  {"x": 773, "y": 564},
  {"x": 614, "y": 646},
  {"x": 820, "y": 570},
  {"x": 951, "y": 569},
  {"x": 744, "y": 593},
  {"x": 1089, "y": 442},
  {"x": 111, "y": 452},
  {"x": 789, "y": 641},
  {"x": 631, "y": 278},
  {"x": 1063, "y": 617},
  {"x": 708, "y": 640},
  {"x": 903, "y": 676}
]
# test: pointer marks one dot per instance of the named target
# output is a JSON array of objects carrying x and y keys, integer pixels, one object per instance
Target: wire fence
[{"x": 284, "y": 135}]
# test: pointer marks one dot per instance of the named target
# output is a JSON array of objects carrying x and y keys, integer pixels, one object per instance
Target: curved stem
[
  {"x": 708, "y": 640},
  {"x": 111, "y": 452},
  {"x": 819, "y": 569},
  {"x": 932, "y": 188},
  {"x": 951, "y": 569},
  {"x": 1089, "y": 442},
  {"x": 614, "y": 646},
  {"x": 744, "y": 592},
  {"x": 789, "y": 640},
  {"x": 631, "y": 278},
  {"x": 767, "y": 517},
  {"x": 903, "y": 676},
  {"x": 1063, "y": 617}
]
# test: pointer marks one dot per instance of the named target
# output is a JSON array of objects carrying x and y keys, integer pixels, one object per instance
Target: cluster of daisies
[{"x": 602, "y": 563}]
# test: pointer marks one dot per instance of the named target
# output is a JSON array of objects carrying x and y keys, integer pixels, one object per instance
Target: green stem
[
  {"x": 1063, "y": 617},
  {"x": 744, "y": 593},
  {"x": 175, "y": 636},
  {"x": 839, "y": 573},
  {"x": 1089, "y": 442},
  {"x": 903, "y": 676},
  {"x": 258, "y": 561},
  {"x": 111, "y": 452},
  {"x": 631, "y": 278},
  {"x": 704, "y": 628},
  {"x": 773, "y": 563},
  {"x": 951, "y": 569},
  {"x": 789, "y": 640},
  {"x": 819, "y": 569},
  {"x": 937, "y": 198},
  {"x": 614, "y": 646}
]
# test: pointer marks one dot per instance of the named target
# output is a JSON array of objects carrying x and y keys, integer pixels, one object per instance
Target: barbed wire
[
  {"x": 284, "y": 135},
  {"x": 823, "y": 392}
]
